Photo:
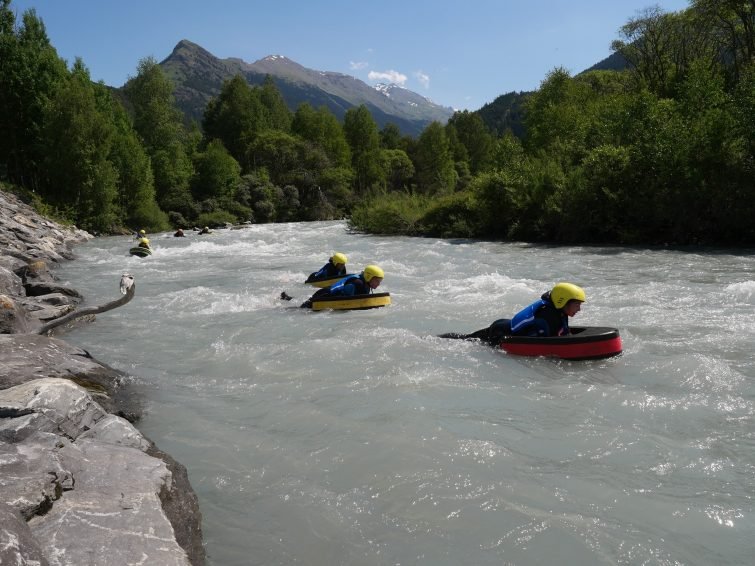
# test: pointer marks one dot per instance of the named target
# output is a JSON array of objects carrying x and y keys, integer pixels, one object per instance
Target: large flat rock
[
  {"x": 82, "y": 478},
  {"x": 24, "y": 357}
]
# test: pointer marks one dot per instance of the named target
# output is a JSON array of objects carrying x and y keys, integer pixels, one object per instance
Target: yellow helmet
[
  {"x": 142, "y": 232},
  {"x": 144, "y": 241},
  {"x": 338, "y": 258},
  {"x": 372, "y": 271},
  {"x": 563, "y": 292}
]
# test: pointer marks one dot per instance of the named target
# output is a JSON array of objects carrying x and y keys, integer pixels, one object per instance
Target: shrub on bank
[{"x": 391, "y": 213}]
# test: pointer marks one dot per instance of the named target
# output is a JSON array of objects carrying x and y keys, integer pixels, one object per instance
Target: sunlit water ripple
[{"x": 362, "y": 438}]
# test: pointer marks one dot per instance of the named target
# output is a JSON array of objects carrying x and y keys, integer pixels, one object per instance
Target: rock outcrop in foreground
[{"x": 79, "y": 484}]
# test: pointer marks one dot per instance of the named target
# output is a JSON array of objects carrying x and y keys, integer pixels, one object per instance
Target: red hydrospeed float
[{"x": 582, "y": 343}]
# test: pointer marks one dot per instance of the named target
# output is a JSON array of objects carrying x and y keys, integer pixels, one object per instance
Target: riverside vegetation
[{"x": 662, "y": 151}]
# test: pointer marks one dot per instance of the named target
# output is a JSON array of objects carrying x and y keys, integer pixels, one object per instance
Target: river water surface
[{"x": 340, "y": 438}]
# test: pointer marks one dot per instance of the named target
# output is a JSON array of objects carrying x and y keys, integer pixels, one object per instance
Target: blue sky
[{"x": 457, "y": 53}]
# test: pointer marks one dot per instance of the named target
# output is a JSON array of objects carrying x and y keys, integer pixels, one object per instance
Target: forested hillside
[
  {"x": 505, "y": 114},
  {"x": 661, "y": 152}
]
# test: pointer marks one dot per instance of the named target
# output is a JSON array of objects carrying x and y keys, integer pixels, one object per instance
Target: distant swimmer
[
  {"x": 205, "y": 230},
  {"x": 335, "y": 267},
  {"x": 179, "y": 233}
]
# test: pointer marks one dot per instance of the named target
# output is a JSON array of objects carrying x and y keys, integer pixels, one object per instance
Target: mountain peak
[
  {"x": 387, "y": 88},
  {"x": 199, "y": 75},
  {"x": 185, "y": 45}
]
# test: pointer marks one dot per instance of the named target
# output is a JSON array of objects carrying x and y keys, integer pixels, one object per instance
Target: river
[{"x": 340, "y": 438}]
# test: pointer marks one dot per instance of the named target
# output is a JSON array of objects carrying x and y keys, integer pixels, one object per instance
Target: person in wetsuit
[
  {"x": 362, "y": 284},
  {"x": 548, "y": 316},
  {"x": 335, "y": 267}
]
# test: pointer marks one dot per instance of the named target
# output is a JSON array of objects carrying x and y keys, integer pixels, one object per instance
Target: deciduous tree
[
  {"x": 435, "y": 174},
  {"x": 362, "y": 135}
]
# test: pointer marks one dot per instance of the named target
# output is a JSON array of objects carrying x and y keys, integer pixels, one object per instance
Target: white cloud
[
  {"x": 422, "y": 78},
  {"x": 390, "y": 76},
  {"x": 358, "y": 65}
]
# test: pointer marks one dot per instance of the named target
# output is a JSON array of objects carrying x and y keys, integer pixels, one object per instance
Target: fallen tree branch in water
[{"x": 128, "y": 288}]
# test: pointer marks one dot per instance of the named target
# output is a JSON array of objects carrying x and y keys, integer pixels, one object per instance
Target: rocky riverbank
[{"x": 79, "y": 484}]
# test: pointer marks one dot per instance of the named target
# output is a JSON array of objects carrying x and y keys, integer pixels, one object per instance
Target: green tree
[
  {"x": 435, "y": 174},
  {"x": 279, "y": 116},
  {"x": 217, "y": 173},
  {"x": 471, "y": 133},
  {"x": 235, "y": 117},
  {"x": 156, "y": 118},
  {"x": 399, "y": 168},
  {"x": 362, "y": 135},
  {"x": 496, "y": 205},
  {"x": 390, "y": 137},
  {"x": 79, "y": 176},
  {"x": 30, "y": 74},
  {"x": 322, "y": 129},
  {"x": 288, "y": 204},
  {"x": 601, "y": 186},
  {"x": 305, "y": 123},
  {"x": 508, "y": 153},
  {"x": 744, "y": 103},
  {"x": 333, "y": 138},
  {"x": 556, "y": 117},
  {"x": 172, "y": 169},
  {"x": 660, "y": 46},
  {"x": 135, "y": 185},
  {"x": 731, "y": 28},
  {"x": 159, "y": 125},
  {"x": 277, "y": 152},
  {"x": 331, "y": 196}
]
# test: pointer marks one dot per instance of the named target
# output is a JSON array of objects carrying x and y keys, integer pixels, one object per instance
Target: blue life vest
[
  {"x": 526, "y": 323},
  {"x": 347, "y": 286},
  {"x": 329, "y": 270}
]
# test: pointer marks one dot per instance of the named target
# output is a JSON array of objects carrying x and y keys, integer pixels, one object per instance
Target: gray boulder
[
  {"x": 82, "y": 478},
  {"x": 13, "y": 264},
  {"x": 10, "y": 283},
  {"x": 39, "y": 288},
  {"x": 14, "y": 318},
  {"x": 35, "y": 271},
  {"x": 18, "y": 547}
]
